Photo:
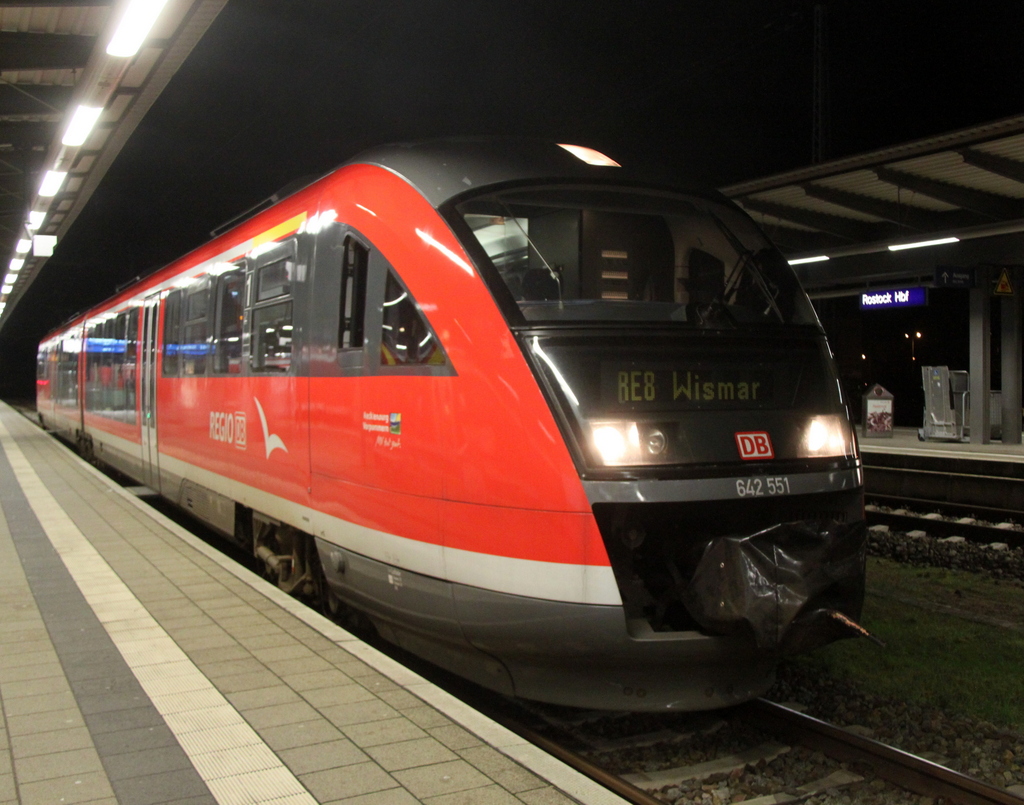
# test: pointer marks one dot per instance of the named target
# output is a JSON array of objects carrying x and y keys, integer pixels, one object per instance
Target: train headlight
[
  {"x": 616, "y": 442},
  {"x": 826, "y": 436},
  {"x": 610, "y": 444}
]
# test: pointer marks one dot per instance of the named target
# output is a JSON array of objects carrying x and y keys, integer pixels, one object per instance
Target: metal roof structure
[
  {"x": 53, "y": 59},
  {"x": 967, "y": 185}
]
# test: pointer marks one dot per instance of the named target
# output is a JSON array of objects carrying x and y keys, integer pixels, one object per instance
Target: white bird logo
[{"x": 270, "y": 440}]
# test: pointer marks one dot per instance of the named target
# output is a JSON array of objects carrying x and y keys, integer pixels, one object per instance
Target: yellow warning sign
[{"x": 1003, "y": 287}]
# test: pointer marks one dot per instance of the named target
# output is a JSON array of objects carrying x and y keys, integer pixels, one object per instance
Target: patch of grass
[{"x": 934, "y": 654}]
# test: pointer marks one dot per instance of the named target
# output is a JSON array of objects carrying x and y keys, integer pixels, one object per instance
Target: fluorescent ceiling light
[
  {"x": 23, "y": 246},
  {"x": 134, "y": 27},
  {"x": 590, "y": 156},
  {"x": 43, "y": 245},
  {"x": 81, "y": 124},
  {"x": 51, "y": 183},
  {"x": 6, "y": 289},
  {"x": 10, "y": 279},
  {"x": 819, "y": 258},
  {"x": 16, "y": 264},
  {"x": 898, "y": 247},
  {"x": 35, "y": 219}
]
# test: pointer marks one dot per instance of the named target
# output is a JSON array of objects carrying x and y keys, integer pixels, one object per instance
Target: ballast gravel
[{"x": 921, "y": 550}]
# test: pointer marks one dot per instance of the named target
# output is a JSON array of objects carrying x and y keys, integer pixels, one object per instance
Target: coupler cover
[{"x": 782, "y": 585}]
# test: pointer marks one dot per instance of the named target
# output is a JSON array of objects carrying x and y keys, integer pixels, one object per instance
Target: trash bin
[{"x": 878, "y": 413}]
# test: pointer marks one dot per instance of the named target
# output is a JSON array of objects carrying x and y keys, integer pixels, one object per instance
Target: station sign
[
  {"x": 954, "y": 277},
  {"x": 893, "y": 297}
]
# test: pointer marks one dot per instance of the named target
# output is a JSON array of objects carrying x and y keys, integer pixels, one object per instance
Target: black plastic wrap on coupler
[{"x": 788, "y": 585}]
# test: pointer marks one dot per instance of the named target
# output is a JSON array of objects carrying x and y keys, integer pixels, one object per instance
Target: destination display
[{"x": 635, "y": 386}]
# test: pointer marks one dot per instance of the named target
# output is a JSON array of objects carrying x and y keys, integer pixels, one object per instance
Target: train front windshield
[
  {"x": 577, "y": 254},
  {"x": 663, "y": 326}
]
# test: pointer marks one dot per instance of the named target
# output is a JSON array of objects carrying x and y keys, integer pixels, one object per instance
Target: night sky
[{"x": 712, "y": 92}]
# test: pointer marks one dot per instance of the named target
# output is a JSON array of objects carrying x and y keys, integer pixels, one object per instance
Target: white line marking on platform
[{"x": 113, "y": 604}]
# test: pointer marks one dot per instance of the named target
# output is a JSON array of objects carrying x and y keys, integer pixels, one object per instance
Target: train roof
[{"x": 444, "y": 169}]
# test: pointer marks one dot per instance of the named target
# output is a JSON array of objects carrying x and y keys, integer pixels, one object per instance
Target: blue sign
[
  {"x": 894, "y": 297},
  {"x": 111, "y": 345}
]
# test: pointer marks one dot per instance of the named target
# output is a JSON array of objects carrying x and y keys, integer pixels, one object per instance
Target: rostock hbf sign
[{"x": 894, "y": 297}]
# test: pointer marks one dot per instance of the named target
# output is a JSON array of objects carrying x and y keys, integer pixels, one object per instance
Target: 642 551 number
[{"x": 759, "y": 487}]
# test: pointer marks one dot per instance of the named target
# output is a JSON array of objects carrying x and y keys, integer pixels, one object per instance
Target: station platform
[
  {"x": 904, "y": 442},
  {"x": 140, "y": 666}
]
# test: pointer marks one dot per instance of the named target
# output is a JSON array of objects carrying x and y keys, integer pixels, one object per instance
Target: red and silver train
[{"x": 571, "y": 435}]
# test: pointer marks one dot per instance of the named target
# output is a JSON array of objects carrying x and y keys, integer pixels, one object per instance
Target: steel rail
[
  {"x": 973, "y": 532},
  {"x": 898, "y": 767},
  {"x": 613, "y": 782},
  {"x": 990, "y": 513}
]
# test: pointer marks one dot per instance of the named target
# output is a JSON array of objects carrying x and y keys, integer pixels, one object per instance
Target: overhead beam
[
  {"x": 988, "y": 204},
  {"x": 33, "y": 99},
  {"x": 27, "y": 51},
  {"x": 845, "y": 228},
  {"x": 993, "y": 163},
  {"x": 21, "y": 136},
  {"x": 798, "y": 241},
  {"x": 901, "y": 214},
  {"x": 54, "y": 3}
]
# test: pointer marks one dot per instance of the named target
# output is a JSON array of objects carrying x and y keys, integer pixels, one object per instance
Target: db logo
[{"x": 754, "y": 445}]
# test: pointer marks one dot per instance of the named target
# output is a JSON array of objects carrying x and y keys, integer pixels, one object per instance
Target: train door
[{"x": 150, "y": 459}]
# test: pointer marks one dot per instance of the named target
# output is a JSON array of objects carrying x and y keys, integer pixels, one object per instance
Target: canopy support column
[
  {"x": 1011, "y": 361},
  {"x": 980, "y": 358}
]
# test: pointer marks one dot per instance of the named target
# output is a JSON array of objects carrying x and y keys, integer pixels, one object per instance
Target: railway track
[
  {"x": 946, "y": 497},
  {"x": 904, "y": 770},
  {"x": 901, "y": 768},
  {"x": 939, "y": 523},
  {"x": 986, "y": 490}
]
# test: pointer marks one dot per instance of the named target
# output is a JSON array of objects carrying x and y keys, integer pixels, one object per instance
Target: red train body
[{"x": 575, "y": 437}]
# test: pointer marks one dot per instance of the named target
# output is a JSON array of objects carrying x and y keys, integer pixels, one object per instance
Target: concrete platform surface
[
  {"x": 140, "y": 666},
  {"x": 904, "y": 441}
]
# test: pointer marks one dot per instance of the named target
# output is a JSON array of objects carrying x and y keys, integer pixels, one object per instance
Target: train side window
[
  {"x": 130, "y": 362},
  {"x": 196, "y": 343},
  {"x": 227, "y": 340},
  {"x": 275, "y": 279},
  {"x": 406, "y": 338},
  {"x": 270, "y": 344},
  {"x": 353, "y": 294},
  {"x": 114, "y": 379},
  {"x": 70, "y": 346},
  {"x": 93, "y": 357},
  {"x": 172, "y": 334},
  {"x": 272, "y": 337},
  {"x": 113, "y": 340}
]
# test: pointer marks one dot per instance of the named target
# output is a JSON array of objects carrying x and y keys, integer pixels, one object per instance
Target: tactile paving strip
[{"x": 69, "y": 576}]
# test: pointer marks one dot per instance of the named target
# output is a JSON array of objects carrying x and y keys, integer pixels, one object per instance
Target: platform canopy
[
  {"x": 54, "y": 58},
  {"x": 967, "y": 185}
]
